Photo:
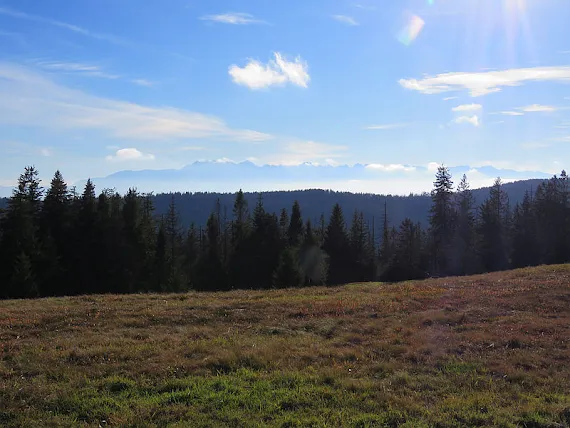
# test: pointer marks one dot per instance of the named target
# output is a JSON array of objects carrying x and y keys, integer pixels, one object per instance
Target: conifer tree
[
  {"x": 295, "y": 230},
  {"x": 337, "y": 247},
  {"x": 463, "y": 258},
  {"x": 442, "y": 221},
  {"x": 492, "y": 228},
  {"x": 55, "y": 228}
]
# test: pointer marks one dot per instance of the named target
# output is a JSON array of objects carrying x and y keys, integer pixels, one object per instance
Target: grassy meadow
[{"x": 489, "y": 350}]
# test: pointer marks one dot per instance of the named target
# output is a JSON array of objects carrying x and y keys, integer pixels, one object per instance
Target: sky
[{"x": 92, "y": 87}]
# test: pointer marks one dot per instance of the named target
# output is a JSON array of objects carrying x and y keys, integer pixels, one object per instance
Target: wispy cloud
[
  {"x": 70, "y": 27},
  {"x": 76, "y": 68},
  {"x": 32, "y": 99},
  {"x": 234, "y": 18},
  {"x": 536, "y": 108},
  {"x": 390, "y": 167},
  {"x": 387, "y": 126},
  {"x": 510, "y": 113},
  {"x": 278, "y": 71},
  {"x": 298, "y": 152},
  {"x": 450, "y": 98},
  {"x": 483, "y": 83},
  {"x": 472, "y": 120},
  {"x": 130, "y": 154},
  {"x": 467, "y": 107},
  {"x": 348, "y": 20},
  {"x": 86, "y": 70},
  {"x": 143, "y": 82},
  {"x": 364, "y": 7}
]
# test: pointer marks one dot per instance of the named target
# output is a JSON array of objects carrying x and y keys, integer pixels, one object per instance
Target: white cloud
[
  {"x": 432, "y": 166},
  {"x": 234, "y": 18},
  {"x": 537, "y": 108},
  {"x": 298, "y": 152},
  {"x": 483, "y": 83},
  {"x": 467, "y": 107},
  {"x": 450, "y": 98},
  {"x": 45, "y": 152},
  {"x": 391, "y": 167},
  {"x": 278, "y": 71},
  {"x": 143, "y": 82},
  {"x": 129, "y": 154},
  {"x": 86, "y": 70},
  {"x": 30, "y": 98},
  {"x": 510, "y": 113},
  {"x": 387, "y": 126},
  {"x": 348, "y": 20},
  {"x": 473, "y": 120},
  {"x": 74, "y": 28}
]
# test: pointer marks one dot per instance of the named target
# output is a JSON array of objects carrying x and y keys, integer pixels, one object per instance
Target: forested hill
[{"x": 196, "y": 207}]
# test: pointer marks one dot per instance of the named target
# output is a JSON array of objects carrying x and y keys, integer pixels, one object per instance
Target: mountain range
[{"x": 226, "y": 176}]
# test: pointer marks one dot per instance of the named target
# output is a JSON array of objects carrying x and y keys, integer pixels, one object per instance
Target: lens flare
[{"x": 411, "y": 30}]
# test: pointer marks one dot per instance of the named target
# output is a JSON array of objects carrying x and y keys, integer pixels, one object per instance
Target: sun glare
[{"x": 499, "y": 24}]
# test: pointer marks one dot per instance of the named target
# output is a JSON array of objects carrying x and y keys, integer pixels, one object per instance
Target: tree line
[{"x": 57, "y": 241}]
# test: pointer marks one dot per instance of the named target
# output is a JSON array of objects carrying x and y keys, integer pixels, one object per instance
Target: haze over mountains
[
  {"x": 194, "y": 202},
  {"x": 226, "y": 176}
]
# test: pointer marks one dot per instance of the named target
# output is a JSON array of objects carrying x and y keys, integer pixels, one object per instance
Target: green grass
[{"x": 490, "y": 350}]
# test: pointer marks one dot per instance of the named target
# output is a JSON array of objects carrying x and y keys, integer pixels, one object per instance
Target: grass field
[{"x": 490, "y": 350}]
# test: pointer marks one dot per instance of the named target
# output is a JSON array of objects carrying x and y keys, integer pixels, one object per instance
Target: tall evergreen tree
[
  {"x": 337, "y": 247},
  {"x": 210, "y": 274},
  {"x": 493, "y": 229},
  {"x": 295, "y": 231},
  {"x": 463, "y": 257},
  {"x": 386, "y": 252},
  {"x": 20, "y": 246},
  {"x": 442, "y": 221},
  {"x": 525, "y": 251},
  {"x": 55, "y": 229}
]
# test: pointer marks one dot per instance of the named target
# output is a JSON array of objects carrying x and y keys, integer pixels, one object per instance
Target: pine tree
[
  {"x": 493, "y": 229},
  {"x": 463, "y": 258},
  {"x": 525, "y": 245},
  {"x": 191, "y": 254},
  {"x": 264, "y": 246},
  {"x": 20, "y": 250},
  {"x": 337, "y": 247},
  {"x": 295, "y": 230},
  {"x": 173, "y": 247},
  {"x": 361, "y": 253},
  {"x": 148, "y": 244},
  {"x": 241, "y": 255},
  {"x": 55, "y": 228},
  {"x": 386, "y": 253},
  {"x": 284, "y": 225},
  {"x": 209, "y": 273},
  {"x": 408, "y": 261},
  {"x": 442, "y": 220},
  {"x": 161, "y": 271}
]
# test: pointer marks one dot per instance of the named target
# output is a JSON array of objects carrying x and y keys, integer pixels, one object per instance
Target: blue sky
[{"x": 92, "y": 87}]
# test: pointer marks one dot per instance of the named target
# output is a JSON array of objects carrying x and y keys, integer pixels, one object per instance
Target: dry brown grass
[{"x": 489, "y": 350}]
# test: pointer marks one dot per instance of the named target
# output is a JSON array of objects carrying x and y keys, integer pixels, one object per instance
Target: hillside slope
[{"x": 489, "y": 350}]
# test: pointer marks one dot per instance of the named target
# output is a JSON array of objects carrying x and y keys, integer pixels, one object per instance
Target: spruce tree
[
  {"x": 20, "y": 246},
  {"x": 295, "y": 230},
  {"x": 55, "y": 230},
  {"x": 493, "y": 229},
  {"x": 463, "y": 258},
  {"x": 337, "y": 247},
  {"x": 442, "y": 221}
]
